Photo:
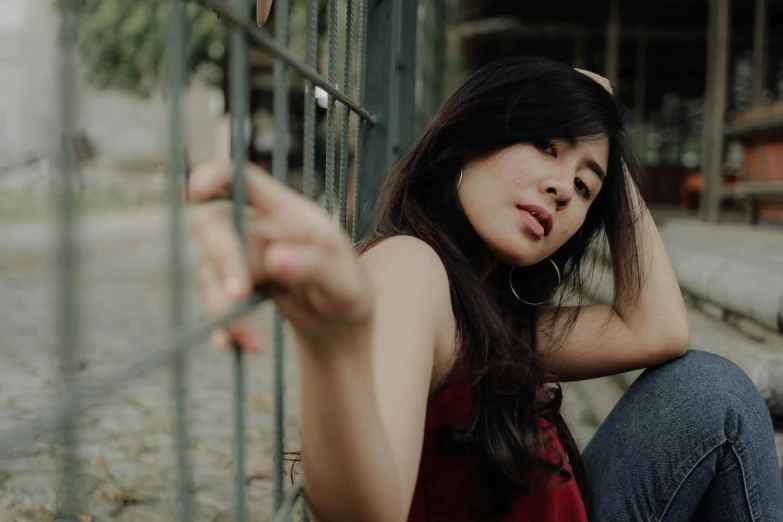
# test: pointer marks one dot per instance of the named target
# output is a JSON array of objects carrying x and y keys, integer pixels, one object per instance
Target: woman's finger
[
  {"x": 290, "y": 229},
  {"x": 328, "y": 278},
  {"x": 603, "y": 82},
  {"x": 214, "y": 180},
  {"x": 262, "y": 10},
  {"x": 212, "y": 302},
  {"x": 239, "y": 331},
  {"x": 213, "y": 228},
  {"x": 210, "y": 180}
]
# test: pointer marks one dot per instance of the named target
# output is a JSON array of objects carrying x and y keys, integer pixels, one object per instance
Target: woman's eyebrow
[{"x": 595, "y": 167}]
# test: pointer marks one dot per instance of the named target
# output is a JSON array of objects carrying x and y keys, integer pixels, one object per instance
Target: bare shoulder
[
  {"x": 409, "y": 250},
  {"x": 407, "y": 272},
  {"x": 410, "y": 264}
]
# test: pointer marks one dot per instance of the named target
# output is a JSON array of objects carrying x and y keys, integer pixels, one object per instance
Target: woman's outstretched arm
[
  {"x": 366, "y": 332},
  {"x": 363, "y": 414}
]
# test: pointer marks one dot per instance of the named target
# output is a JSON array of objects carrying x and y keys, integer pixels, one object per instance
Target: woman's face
[{"x": 527, "y": 200}]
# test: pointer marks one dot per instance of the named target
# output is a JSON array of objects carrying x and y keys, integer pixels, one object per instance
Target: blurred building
[
  {"x": 116, "y": 126},
  {"x": 656, "y": 55}
]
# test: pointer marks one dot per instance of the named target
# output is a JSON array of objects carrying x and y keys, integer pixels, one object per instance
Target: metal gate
[{"x": 385, "y": 53}]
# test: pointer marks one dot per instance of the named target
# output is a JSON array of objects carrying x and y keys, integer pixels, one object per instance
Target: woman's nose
[{"x": 559, "y": 192}]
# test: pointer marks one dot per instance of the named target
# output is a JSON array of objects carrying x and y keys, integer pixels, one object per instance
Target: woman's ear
[{"x": 262, "y": 10}]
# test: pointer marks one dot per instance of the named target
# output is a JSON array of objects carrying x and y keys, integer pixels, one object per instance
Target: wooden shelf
[
  {"x": 771, "y": 124},
  {"x": 770, "y": 190}
]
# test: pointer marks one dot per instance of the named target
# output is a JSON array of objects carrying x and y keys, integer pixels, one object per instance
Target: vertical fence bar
[
  {"x": 68, "y": 313},
  {"x": 382, "y": 140},
  {"x": 431, "y": 70},
  {"x": 311, "y": 54},
  {"x": 176, "y": 168},
  {"x": 406, "y": 74},
  {"x": 360, "y": 68},
  {"x": 376, "y": 146},
  {"x": 344, "y": 139},
  {"x": 393, "y": 117},
  {"x": 240, "y": 101},
  {"x": 438, "y": 74},
  {"x": 311, "y": 51},
  {"x": 280, "y": 171},
  {"x": 331, "y": 108}
]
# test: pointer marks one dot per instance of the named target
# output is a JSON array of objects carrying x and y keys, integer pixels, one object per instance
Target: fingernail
[
  {"x": 252, "y": 344},
  {"x": 283, "y": 259},
  {"x": 220, "y": 339},
  {"x": 234, "y": 288}
]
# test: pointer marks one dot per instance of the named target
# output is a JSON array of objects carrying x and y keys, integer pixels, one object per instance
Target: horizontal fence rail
[{"x": 265, "y": 40}]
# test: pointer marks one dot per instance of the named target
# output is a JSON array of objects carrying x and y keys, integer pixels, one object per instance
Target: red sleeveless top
[{"x": 447, "y": 489}]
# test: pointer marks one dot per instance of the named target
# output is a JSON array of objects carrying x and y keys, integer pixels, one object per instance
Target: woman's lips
[
  {"x": 533, "y": 223},
  {"x": 538, "y": 218}
]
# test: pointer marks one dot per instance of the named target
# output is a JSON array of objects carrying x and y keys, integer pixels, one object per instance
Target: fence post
[
  {"x": 239, "y": 84},
  {"x": 70, "y": 484},
  {"x": 280, "y": 171},
  {"x": 176, "y": 168},
  {"x": 715, "y": 108},
  {"x": 390, "y": 76},
  {"x": 406, "y": 74}
]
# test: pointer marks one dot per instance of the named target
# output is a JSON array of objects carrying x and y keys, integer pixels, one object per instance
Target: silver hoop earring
[
  {"x": 513, "y": 290},
  {"x": 459, "y": 182}
]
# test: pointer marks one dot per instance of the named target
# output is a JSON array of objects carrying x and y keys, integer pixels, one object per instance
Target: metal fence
[{"x": 385, "y": 52}]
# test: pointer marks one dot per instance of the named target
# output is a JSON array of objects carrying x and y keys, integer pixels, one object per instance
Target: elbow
[{"x": 677, "y": 342}]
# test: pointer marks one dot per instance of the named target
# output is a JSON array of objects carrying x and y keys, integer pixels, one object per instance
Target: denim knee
[{"x": 715, "y": 387}]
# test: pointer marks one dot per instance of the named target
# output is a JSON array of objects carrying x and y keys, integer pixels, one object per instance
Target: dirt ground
[{"x": 126, "y": 445}]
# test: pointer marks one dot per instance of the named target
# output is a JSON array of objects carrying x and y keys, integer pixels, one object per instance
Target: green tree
[{"x": 122, "y": 42}]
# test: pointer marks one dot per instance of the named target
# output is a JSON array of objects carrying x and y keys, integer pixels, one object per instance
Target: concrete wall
[
  {"x": 122, "y": 128},
  {"x": 27, "y": 77}
]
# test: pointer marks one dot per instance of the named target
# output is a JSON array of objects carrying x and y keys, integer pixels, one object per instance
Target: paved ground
[{"x": 127, "y": 443}]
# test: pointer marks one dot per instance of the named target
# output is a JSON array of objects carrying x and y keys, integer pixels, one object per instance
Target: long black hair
[{"x": 512, "y": 101}]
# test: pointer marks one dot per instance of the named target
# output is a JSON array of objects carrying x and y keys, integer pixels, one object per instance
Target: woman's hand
[
  {"x": 292, "y": 249},
  {"x": 603, "y": 82}
]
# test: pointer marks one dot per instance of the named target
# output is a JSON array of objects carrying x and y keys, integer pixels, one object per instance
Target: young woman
[{"x": 430, "y": 355}]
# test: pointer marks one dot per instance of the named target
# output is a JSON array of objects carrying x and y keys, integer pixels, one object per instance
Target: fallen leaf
[
  {"x": 112, "y": 495},
  {"x": 262, "y": 400},
  {"x": 98, "y": 462},
  {"x": 259, "y": 474},
  {"x": 43, "y": 514},
  {"x": 118, "y": 497},
  {"x": 83, "y": 516}
]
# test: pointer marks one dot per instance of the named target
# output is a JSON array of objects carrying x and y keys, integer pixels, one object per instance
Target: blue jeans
[{"x": 690, "y": 440}]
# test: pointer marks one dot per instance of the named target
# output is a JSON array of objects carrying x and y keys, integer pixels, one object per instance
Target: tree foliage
[{"x": 122, "y": 43}]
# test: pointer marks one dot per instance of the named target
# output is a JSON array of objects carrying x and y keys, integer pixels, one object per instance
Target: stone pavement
[{"x": 127, "y": 443}]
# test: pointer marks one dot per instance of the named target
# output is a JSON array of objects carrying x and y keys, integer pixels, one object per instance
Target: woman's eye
[{"x": 583, "y": 188}]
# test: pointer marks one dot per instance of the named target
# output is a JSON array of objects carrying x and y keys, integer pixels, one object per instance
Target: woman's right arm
[
  {"x": 366, "y": 330},
  {"x": 363, "y": 411}
]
